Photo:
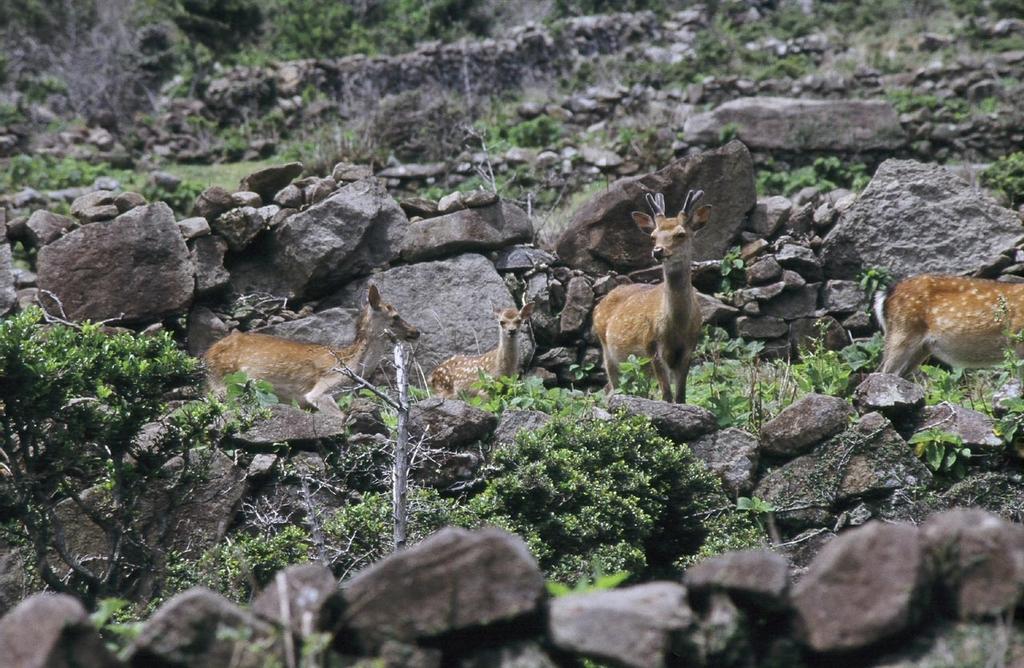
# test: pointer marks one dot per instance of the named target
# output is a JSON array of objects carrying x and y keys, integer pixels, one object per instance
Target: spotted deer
[
  {"x": 660, "y": 321},
  {"x": 964, "y": 322},
  {"x": 306, "y": 372},
  {"x": 457, "y": 374}
]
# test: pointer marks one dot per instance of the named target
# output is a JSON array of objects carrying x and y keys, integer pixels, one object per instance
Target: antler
[
  {"x": 692, "y": 198},
  {"x": 657, "y": 203}
]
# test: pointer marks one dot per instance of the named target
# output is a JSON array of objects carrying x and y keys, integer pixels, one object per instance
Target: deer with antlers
[
  {"x": 306, "y": 372},
  {"x": 965, "y": 322},
  {"x": 457, "y": 374},
  {"x": 660, "y": 321}
]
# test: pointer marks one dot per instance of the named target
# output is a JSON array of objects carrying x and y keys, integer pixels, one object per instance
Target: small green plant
[
  {"x": 873, "y": 279},
  {"x": 114, "y": 624},
  {"x": 758, "y": 508},
  {"x": 941, "y": 451},
  {"x": 728, "y": 132},
  {"x": 240, "y": 385},
  {"x": 497, "y": 395},
  {"x": 580, "y": 371},
  {"x": 825, "y": 174},
  {"x": 539, "y": 132},
  {"x": 636, "y": 377},
  {"x": 821, "y": 369},
  {"x": 733, "y": 270},
  {"x": 597, "y": 581},
  {"x": 1007, "y": 176}
]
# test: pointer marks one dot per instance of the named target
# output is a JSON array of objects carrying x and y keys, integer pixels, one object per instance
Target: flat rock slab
[
  {"x": 888, "y": 394},
  {"x": 268, "y": 181},
  {"x": 469, "y": 230},
  {"x": 805, "y": 423},
  {"x": 512, "y": 422},
  {"x": 454, "y": 581},
  {"x": 865, "y": 586},
  {"x": 135, "y": 267},
  {"x": 8, "y": 292},
  {"x": 759, "y": 578},
  {"x": 732, "y": 454},
  {"x": 917, "y": 218},
  {"x": 638, "y": 627},
  {"x": 974, "y": 428},
  {"x": 790, "y": 124},
  {"x": 679, "y": 422},
  {"x": 288, "y": 424}
]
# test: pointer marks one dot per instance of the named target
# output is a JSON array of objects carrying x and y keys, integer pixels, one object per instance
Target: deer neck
[
  {"x": 506, "y": 356},
  {"x": 678, "y": 288},
  {"x": 363, "y": 355}
]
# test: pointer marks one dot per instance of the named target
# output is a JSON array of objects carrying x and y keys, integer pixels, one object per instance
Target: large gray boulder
[
  {"x": 135, "y": 267},
  {"x": 294, "y": 426},
  {"x": 201, "y": 629},
  {"x": 51, "y": 630},
  {"x": 358, "y": 228},
  {"x": 865, "y": 586},
  {"x": 757, "y": 578},
  {"x": 732, "y": 454},
  {"x": 450, "y": 301},
  {"x": 639, "y": 627},
  {"x": 805, "y": 423},
  {"x": 679, "y": 422},
  {"x": 304, "y": 597},
  {"x": 916, "y": 218},
  {"x": 788, "y": 124},
  {"x": 603, "y": 236},
  {"x": 479, "y": 229},
  {"x": 454, "y": 581},
  {"x": 267, "y": 181}
]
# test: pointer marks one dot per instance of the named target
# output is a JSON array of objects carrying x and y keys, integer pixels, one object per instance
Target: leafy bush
[
  {"x": 825, "y": 174},
  {"x": 942, "y": 451},
  {"x": 537, "y": 132},
  {"x": 45, "y": 172},
  {"x": 615, "y": 493},
  {"x": 1007, "y": 176},
  {"x": 73, "y": 403},
  {"x": 500, "y": 394}
]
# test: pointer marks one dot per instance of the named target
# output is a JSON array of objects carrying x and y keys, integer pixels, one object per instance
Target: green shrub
[
  {"x": 45, "y": 172},
  {"x": 1007, "y": 176},
  {"x": 825, "y": 174},
  {"x": 615, "y": 493},
  {"x": 500, "y": 394},
  {"x": 73, "y": 403},
  {"x": 537, "y": 132}
]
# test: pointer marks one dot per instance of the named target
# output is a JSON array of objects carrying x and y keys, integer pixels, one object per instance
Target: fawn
[
  {"x": 306, "y": 372},
  {"x": 457, "y": 374},
  {"x": 661, "y": 321},
  {"x": 965, "y": 322}
]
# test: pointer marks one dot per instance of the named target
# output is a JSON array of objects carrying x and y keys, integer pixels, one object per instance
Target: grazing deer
[
  {"x": 457, "y": 374},
  {"x": 305, "y": 372},
  {"x": 965, "y": 322},
  {"x": 661, "y": 321}
]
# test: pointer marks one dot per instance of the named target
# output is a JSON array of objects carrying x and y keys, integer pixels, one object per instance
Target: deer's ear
[
  {"x": 373, "y": 297},
  {"x": 700, "y": 217},
  {"x": 643, "y": 221},
  {"x": 526, "y": 311}
]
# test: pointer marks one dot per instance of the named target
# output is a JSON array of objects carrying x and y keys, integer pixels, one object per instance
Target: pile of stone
[{"x": 464, "y": 598}]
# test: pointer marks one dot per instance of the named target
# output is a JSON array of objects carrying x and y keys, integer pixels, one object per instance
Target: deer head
[
  {"x": 673, "y": 236},
  {"x": 511, "y": 320},
  {"x": 381, "y": 319}
]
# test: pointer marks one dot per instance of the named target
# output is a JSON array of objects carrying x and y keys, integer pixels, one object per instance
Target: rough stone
[
  {"x": 791, "y": 304},
  {"x": 246, "y": 198},
  {"x": 194, "y": 227},
  {"x": 888, "y": 394},
  {"x": 805, "y": 423},
  {"x": 44, "y": 226},
  {"x": 579, "y": 301},
  {"x": 679, "y": 422},
  {"x": 288, "y": 424},
  {"x": 478, "y": 229},
  {"x": 129, "y": 200},
  {"x": 87, "y": 206},
  {"x": 269, "y": 180},
  {"x": 764, "y": 270},
  {"x": 865, "y": 586},
  {"x": 212, "y": 202},
  {"x": 51, "y": 630},
  {"x": 766, "y": 327},
  {"x": 843, "y": 297},
  {"x": 135, "y": 267},
  {"x": 311, "y": 598},
  {"x": 207, "y": 255},
  {"x": 8, "y": 292},
  {"x": 512, "y": 422},
  {"x": 239, "y": 226},
  {"x": 757, "y": 578},
  {"x": 454, "y": 581},
  {"x": 733, "y": 455},
  {"x": 902, "y": 223},
  {"x": 639, "y": 627},
  {"x": 800, "y": 259},
  {"x": 201, "y": 629},
  {"x": 358, "y": 228},
  {"x": 790, "y": 124},
  {"x": 602, "y": 234},
  {"x": 518, "y": 655},
  {"x": 976, "y": 430},
  {"x": 979, "y": 561}
]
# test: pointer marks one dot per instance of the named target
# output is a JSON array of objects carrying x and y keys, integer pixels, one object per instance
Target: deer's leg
[
  {"x": 318, "y": 397},
  {"x": 661, "y": 372},
  {"x": 611, "y": 369},
  {"x": 903, "y": 353},
  {"x": 682, "y": 373}
]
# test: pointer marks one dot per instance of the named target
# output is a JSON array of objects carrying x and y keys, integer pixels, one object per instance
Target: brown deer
[
  {"x": 306, "y": 372},
  {"x": 457, "y": 374},
  {"x": 660, "y": 321},
  {"x": 965, "y": 322}
]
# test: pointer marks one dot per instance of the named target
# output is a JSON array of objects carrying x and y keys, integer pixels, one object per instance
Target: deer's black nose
[{"x": 658, "y": 253}]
